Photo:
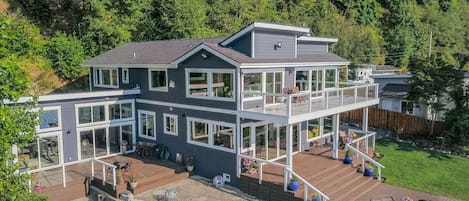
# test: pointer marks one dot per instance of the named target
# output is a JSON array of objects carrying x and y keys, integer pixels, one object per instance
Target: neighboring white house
[
  {"x": 393, "y": 91},
  {"x": 364, "y": 72}
]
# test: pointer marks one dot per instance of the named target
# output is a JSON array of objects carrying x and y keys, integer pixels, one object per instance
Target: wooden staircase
[{"x": 338, "y": 181}]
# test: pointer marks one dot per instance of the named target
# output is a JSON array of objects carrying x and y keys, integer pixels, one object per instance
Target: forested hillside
[{"x": 59, "y": 34}]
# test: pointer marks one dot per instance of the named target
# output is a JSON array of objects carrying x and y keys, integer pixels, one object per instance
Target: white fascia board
[
  {"x": 208, "y": 49},
  {"x": 318, "y": 39},
  {"x": 159, "y": 66},
  {"x": 299, "y": 64},
  {"x": 264, "y": 25},
  {"x": 69, "y": 96},
  {"x": 278, "y": 119}
]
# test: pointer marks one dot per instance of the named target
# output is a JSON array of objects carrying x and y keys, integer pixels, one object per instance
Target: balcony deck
[{"x": 310, "y": 105}]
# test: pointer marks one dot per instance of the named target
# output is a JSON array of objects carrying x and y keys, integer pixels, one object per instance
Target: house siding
[
  {"x": 311, "y": 47},
  {"x": 264, "y": 45},
  {"x": 208, "y": 162},
  {"x": 177, "y": 94},
  {"x": 243, "y": 44}
]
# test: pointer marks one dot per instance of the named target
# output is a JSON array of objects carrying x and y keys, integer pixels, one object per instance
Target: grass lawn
[{"x": 425, "y": 171}]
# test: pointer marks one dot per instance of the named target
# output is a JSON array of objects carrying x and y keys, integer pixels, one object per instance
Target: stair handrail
[
  {"x": 104, "y": 164},
  {"x": 306, "y": 185},
  {"x": 367, "y": 158},
  {"x": 286, "y": 170}
]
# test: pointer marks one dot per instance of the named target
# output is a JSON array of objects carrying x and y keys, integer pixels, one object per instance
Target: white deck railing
[
  {"x": 287, "y": 170},
  {"x": 64, "y": 165},
  {"x": 105, "y": 165},
  {"x": 364, "y": 158},
  {"x": 365, "y": 138},
  {"x": 304, "y": 102}
]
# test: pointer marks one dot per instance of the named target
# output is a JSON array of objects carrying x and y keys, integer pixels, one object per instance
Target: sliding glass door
[{"x": 105, "y": 140}]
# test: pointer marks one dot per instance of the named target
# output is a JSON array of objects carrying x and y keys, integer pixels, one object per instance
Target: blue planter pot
[
  {"x": 348, "y": 160},
  {"x": 293, "y": 185},
  {"x": 368, "y": 173},
  {"x": 316, "y": 199}
]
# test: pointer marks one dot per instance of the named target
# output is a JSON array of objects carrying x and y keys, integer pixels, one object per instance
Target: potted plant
[
  {"x": 316, "y": 197},
  {"x": 368, "y": 170},
  {"x": 348, "y": 157},
  {"x": 189, "y": 163},
  {"x": 131, "y": 178},
  {"x": 293, "y": 185}
]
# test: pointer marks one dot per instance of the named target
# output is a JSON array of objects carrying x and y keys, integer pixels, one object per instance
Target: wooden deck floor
[
  {"x": 336, "y": 180},
  {"x": 149, "y": 173}
]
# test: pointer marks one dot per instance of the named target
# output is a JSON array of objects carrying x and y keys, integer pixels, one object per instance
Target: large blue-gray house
[{"x": 263, "y": 92}]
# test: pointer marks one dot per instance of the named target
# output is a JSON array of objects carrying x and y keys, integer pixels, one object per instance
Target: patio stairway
[{"x": 338, "y": 181}]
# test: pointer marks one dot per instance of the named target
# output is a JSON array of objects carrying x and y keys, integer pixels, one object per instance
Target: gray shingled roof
[
  {"x": 153, "y": 52},
  {"x": 395, "y": 91},
  {"x": 166, "y": 51}
]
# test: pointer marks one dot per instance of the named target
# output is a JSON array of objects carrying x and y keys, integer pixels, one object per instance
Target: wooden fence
[{"x": 390, "y": 120}]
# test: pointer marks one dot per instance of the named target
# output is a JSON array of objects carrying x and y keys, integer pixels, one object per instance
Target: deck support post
[
  {"x": 365, "y": 127},
  {"x": 335, "y": 127},
  {"x": 238, "y": 140},
  {"x": 289, "y": 148}
]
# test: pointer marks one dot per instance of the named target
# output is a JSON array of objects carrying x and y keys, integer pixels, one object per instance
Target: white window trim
[
  {"x": 95, "y": 75},
  {"x": 210, "y": 136},
  {"x": 106, "y": 112},
  {"x": 164, "y": 89},
  {"x": 175, "y": 117},
  {"x": 209, "y": 83},
  {"x": 264, "y": 83},
  {"x": 59, "y": 119},
  {"x": 140, "y": 124},
  {"x": 125, "y": 79}
]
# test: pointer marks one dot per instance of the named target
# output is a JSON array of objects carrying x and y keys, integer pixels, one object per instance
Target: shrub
[{"x": 66, "y": 54}]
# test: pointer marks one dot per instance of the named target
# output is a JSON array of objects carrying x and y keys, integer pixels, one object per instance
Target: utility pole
[{"x": 430, "y": 45}]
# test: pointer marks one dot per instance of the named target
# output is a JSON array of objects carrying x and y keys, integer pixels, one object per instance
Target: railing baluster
[
  {"x": 114, "y": 178},
  {"x": 260, "y": 173},
  {"x": 305, "y": 192},
  {"x": 104, "y": 175},
  {"x": 342, "y": 97},
  {"x": 289, "y": 105},
  {"x": 92, "y": 168},
  {"x": 63, "y": 176},
  {"x": 366, "y": 92},
  {"x": 285, "y": 179},
  {"x": 379, "y": 173}
]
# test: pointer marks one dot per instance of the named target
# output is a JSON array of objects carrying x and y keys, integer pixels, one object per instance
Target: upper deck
[{"x": 292, "y": 107}]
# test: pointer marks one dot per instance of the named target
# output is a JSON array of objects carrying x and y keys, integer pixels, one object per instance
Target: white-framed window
[
  {"x": 146, "y": 124},
  {"x": 255, "y": 83},
  {"x": 106, "y": 77},
  {"x": 44, "y": 151},
  {"x": 170, "y": 124},
  {"x": 407, "y": 107},
  {"x": 50, "y": 119},
  {"x": 125, "y": 75},
  {"x": 158, "y": 80},
  {"x": 213, "y": 84},
  {"x": 104, "y": 112},
  {"x": 212, "y": 134}
]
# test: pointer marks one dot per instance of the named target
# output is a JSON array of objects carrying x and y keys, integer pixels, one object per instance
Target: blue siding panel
[
  {"x": 243, "y": 44},
  {"x": 178, "y": 93},
  {"x": 311, "y": 47},
  {"x": 208, "y": 162},
  {"x": 264, "y": 45}
]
